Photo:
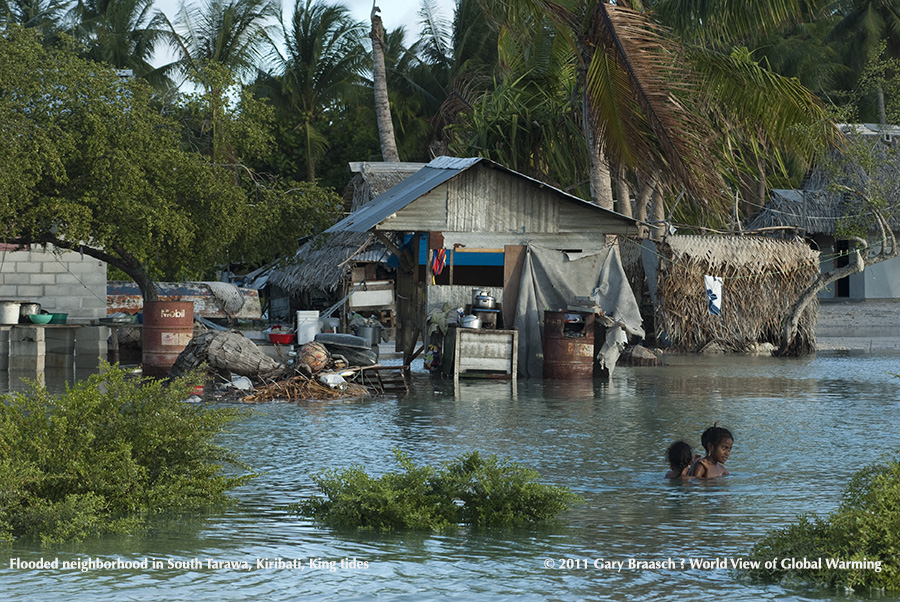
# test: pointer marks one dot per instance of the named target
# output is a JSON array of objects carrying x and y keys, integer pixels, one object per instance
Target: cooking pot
[
  {"x": 470, "y": 321},
  {"x": 28, "y": 309},
  {"x": 484, "y": 301}
]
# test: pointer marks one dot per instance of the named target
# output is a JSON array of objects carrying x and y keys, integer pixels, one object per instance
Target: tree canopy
[{"x": 97, "y": 167}]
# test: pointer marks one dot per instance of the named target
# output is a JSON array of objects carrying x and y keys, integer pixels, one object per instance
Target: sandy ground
[{"x": 859, "y": 326}]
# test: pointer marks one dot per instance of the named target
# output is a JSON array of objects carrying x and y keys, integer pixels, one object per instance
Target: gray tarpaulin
[{"x": 552, "y": 280}]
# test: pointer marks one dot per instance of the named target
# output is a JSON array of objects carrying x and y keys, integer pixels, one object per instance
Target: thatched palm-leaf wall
[{"x": 762, "y": 280}]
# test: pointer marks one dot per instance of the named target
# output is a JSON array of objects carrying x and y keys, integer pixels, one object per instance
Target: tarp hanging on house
[{"x": 552, "y": 279}]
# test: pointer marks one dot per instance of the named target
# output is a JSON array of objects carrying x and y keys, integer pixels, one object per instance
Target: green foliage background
[{"x": 107, "y": 455}]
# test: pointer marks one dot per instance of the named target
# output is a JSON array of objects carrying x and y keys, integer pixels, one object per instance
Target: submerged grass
[{"x": 468, "y": 490}]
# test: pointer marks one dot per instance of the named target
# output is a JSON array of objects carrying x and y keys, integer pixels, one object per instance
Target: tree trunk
[
  {"x": 658, "y": 229},
  {"x": 882, "y": 112},
  {"x": 310, "y": 161},
  {"x": 623, "y": 191},
  {"x": 379, "y": 80},
  {"x": 122, "y": 260},
  {"x": 888, "y": 251},
  {"x": 601, "y": 181}
]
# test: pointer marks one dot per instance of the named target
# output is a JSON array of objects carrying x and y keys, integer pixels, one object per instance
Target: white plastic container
[
  {"x": 9, "y": 312},
  {"x": 329, "y": 324},
  {"x": 307, "y": 326}
]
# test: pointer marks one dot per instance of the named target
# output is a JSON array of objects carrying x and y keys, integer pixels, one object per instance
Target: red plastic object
[{"x": 282, "y": 338}]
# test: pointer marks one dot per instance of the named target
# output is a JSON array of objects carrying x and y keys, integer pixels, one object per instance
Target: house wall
[
  {"x": 480, "y": 199},
  {"x": 879, "y": 281},
  {"x": 882, "y": 280},
  {"x": 62, "y": 283}
]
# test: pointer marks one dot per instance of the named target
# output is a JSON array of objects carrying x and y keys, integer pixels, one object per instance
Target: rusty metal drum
[
  {"x": 168, "y": 328},
  {"x": 568, "y": 344}
]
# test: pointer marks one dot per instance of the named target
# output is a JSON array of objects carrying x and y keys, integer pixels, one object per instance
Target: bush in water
[
  {"x": 471, "y": 490},
  {"x": 107, "y": 454},
  {"x": 855, "y": 547}
]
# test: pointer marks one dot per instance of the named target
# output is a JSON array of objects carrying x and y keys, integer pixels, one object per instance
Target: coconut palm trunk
[{"x": 379, "y": 79}]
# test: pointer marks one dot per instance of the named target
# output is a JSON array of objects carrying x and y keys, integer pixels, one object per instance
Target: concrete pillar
[
  {"x": 60, "y": 346},
  {"x": 90, "y": 346},
  {"x": 4, "y": 347},
  {"x": 27, "y": 349}
]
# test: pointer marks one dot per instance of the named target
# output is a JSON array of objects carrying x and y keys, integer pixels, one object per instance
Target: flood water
[{"x": 801, "y": 428}]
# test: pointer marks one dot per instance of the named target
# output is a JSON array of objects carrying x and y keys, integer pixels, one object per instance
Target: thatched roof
[
  {"x": 326, "y": 260},
  {"x": 762, "y": 278},
  {"x": 323, "y": 262},
  {"x": 821, "y": 208}
]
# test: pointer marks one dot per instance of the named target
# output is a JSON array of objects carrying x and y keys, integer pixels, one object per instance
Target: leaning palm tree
[
  {"x": 646, "y": 107},
  {"x": 320, "y": 62}
]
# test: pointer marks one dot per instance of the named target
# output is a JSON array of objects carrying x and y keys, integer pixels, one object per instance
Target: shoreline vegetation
[
  {"x": 108, "y": 454},
  {"x": 854, "y": 548}
]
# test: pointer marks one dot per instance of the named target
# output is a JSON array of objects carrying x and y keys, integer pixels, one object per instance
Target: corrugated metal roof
[{"x": 424, "y": 181}]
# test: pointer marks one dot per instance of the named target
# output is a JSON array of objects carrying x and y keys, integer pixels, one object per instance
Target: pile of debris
[{"x": 249, "y": 375}]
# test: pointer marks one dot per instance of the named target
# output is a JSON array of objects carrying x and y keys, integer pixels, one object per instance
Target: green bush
[
  {"x": 865, "y": 529},
  {"x": 469, "y": 490},
  {"x": 106, "y": 455}
]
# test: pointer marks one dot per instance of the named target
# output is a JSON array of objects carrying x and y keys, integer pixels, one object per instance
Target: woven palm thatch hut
[{"x": 761, "y": 280}]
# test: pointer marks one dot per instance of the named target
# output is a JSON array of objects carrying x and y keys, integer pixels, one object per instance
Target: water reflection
[{"x": 801, "y": 428}]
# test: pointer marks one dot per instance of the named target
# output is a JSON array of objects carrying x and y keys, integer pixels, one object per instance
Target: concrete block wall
[{"x": 67, "y": 282}]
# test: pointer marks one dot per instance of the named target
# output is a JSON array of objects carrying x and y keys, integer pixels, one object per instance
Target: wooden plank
[{"x": 513, "y": 262}]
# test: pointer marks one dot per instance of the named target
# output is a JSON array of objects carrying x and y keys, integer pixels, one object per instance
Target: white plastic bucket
[
  {"x": 307, "y": 326},
  {"x": 9, "y": 312}
]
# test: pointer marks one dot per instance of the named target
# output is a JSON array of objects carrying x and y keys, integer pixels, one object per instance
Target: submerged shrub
[
  {"x": 107, "y": 454},
  {"x": 855, "y": 547},
  {"x": 470, "y": 490}
]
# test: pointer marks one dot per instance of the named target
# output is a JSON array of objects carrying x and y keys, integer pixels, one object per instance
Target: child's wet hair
[
  {"x": 714, "y": 435},
  {"x": 679, "y": 455}
]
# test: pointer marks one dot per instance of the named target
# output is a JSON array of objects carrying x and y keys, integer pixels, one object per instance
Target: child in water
[
  {"x": 680, "y": 456},
  {"x": 717, "y": 442}
]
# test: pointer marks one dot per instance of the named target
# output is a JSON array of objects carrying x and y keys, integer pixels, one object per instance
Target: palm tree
[
  {"x": 44, "y": 15},
  {"x": 379, "y": 83},
  {"x": 321, "y": 63},
  {"x": 124, "y": 34},
  {"x": 870, "y": 25},
  {"x": 231, "y": 33}
]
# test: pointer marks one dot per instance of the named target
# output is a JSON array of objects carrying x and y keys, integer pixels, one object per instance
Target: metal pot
[
  {"x": 484, "y": 301},
  {"x": 470, "y": 321},
  {"x": 29, "y": 309}
]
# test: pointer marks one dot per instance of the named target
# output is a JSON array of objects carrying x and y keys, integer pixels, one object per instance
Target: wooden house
[
  {"x": 351, "y": 265},
  {"x": 478, "y": 219}
]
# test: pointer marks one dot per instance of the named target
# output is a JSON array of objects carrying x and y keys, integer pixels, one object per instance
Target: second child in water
[{"x": 717, "y": 442}]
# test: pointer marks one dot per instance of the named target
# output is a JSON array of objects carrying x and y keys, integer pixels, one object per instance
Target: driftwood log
[{"x": 224, "y": 353}]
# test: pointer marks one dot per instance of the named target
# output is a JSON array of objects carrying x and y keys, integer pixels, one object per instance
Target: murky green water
[{"x": 801, "y": 427}]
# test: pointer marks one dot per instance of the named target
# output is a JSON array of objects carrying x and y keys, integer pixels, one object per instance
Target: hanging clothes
[{"x": 713, "y": 294}]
